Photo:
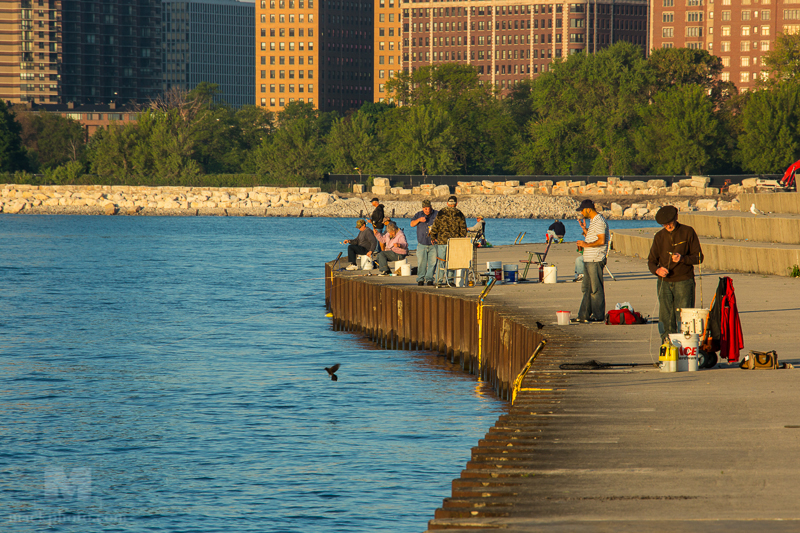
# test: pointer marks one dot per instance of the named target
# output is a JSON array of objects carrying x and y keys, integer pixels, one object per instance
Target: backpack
[{"x": 624, "y": 317}]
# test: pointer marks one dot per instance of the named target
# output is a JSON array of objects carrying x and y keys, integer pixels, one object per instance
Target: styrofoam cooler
[
  {"x": 496, "y": 268},
  {"x": 688, "y": 350},
  {"x": 550, "y": 274},
  {"x": 510, "y": 273},
  {"x": 694, "y": 320},
  {"x": 563, "y": 318}
]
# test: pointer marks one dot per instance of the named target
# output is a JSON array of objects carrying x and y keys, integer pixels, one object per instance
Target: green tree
[
  {"x": 782, "y": 63},
  {"x": 423, "y": 141},
  {"x": 353, "y": 142},
  {"x": 295, "y": 151},
  {"x": 684, "y": 66},
  {"x": 770, "y": 139},
  {"x": 680, "y": 133},
  {"x": 12, "y": 155}
]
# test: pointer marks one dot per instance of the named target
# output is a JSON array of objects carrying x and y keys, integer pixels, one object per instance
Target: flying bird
[
  {"x": 332, "y": 372},
  {"x": 755, "y": 210},
  {"x": 539, "y": 325}
]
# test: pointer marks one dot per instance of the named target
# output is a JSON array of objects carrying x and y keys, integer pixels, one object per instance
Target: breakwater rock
[{"x": 312, "y": 202}]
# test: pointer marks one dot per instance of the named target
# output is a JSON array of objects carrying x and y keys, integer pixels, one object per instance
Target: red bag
[{"x": 624, "y": 317}]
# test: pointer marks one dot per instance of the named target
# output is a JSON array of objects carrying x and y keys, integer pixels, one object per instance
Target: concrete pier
[{"x": 629, "y": 449}]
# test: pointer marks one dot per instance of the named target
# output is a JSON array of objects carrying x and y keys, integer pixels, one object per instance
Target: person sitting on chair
[
  {"x": 394, "y": 247},
  {"x": 363, "y": 244},
  {"x": 478, "y": 231},
  {"x": 556, "y": 230}
]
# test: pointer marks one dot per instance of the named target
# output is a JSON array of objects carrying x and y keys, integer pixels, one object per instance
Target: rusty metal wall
[{"x": 404, "y": 318}]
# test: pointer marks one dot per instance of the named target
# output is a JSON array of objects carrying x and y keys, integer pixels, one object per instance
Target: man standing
[
  {"x": 363, "y": 244},
  {"x": 394, "y": 247},
  {"x": 449, "y": 223},
  {"x": 594, "y": 244},
  {"x": 426, "y": 251},
  {"x": 377, "y": 218},
  {"x": 675, "y": 251}
]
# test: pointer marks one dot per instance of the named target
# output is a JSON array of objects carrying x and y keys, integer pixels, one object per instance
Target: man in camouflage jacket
[{"x": 449, "y": 223}]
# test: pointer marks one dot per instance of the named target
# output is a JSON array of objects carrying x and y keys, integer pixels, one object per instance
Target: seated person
[
  {"x": 363, "y": 244},
  {"x": 394, "y": 247},
  {"x": 477, "y": 232},
  {"x": 556, "y": 230}
]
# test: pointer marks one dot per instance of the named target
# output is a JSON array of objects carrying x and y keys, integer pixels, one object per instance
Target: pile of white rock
[{"x": 131, "y": 200}]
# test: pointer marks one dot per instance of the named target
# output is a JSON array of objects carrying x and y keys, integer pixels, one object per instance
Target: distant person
[
  {"x": 478, "y": 231},
  {"x": 394, "y": 247},
  {"x": 364, "y": 244},
  {"x": 377, "y": 218},
  {"x": 426, "y": 250},
  {"x": 673, "y": 254},
  {"x": 556, "y": 230},
  {"x": 594, "y": 244},
  {"x": 450, "y": 223}
]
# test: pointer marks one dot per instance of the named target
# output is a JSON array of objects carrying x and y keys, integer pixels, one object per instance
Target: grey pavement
[{"x": 641, "y": 450}]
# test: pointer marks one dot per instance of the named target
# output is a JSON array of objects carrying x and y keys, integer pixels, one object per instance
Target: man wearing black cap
[
  {"x": 449, "y": 223},
  {"x": 426, "y": 250},
  {"x": 594, "y": 244},
  {"x": 675, "y": 251}
]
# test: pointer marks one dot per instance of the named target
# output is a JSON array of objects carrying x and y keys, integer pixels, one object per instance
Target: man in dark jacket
[
  {"x": 449, "y": 223},
  {"x": 363, "y": 244},
  {"x": 673, "y": 254},
  {"x": 377, "y": 216}
]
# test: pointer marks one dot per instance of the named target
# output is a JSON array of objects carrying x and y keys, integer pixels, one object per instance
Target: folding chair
[
  {"x": 459, "y": 257},
  {"x": 540, "y": 258},
  {"x": 605, "y": 259}
]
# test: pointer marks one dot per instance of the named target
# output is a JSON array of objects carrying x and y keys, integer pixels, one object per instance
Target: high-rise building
[
  {"x": 80, "y": 51},
  {"x": 740, "y": 32},
  {"x": 314, "y": 51},
  {"x": 210, "y": 41}
]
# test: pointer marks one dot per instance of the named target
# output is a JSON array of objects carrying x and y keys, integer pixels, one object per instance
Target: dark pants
[
  {"x": 384, "y": 258},
  {"x": 672, "y": 296},
  {"x": 593, "y": 305},
  {"x": 353, "y": 250}
]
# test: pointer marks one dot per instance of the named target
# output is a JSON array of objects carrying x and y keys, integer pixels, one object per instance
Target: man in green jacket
[{"x": 673, "y": 254}]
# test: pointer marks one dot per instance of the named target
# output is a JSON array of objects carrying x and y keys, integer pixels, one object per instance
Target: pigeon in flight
[
  {"x": 332, "y": 372},
  {"x": 539, "y": 325},
  {"x": 755, "y": 210}
]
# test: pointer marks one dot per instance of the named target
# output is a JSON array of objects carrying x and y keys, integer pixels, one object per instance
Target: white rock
[
  {"x": 441, "y": 190},
  {"x": 380, "y": 182}
]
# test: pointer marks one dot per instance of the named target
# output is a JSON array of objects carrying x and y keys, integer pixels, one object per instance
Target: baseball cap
[
  {"x": 586, "y": 204},
  {"x": 426, "y": 203}
]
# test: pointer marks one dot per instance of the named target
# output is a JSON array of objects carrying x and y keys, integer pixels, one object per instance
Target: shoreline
[{"x": 312, "y": 202}]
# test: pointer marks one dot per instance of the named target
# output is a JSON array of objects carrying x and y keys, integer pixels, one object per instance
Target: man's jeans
[
  {"x": 593, "y": 305},
  {"x": 353, "y": 250},
  {"x": 426, "y": 262},
  {"x": 441, "y": 272},
  {"x": 579, "y": 265},
  {"x": 673, "y": 295},
  {"x": 386, "y": 256}
]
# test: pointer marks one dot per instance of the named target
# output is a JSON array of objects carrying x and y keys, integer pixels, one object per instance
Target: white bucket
[
  {"x": 405, "y": 270},
  {"x": 510, "y": 273},
  {"x": 550, "y": 274},
  {"x": 364, "y": 262},
  {"x": 460, "y": 277},
  {"x": 694, "y": 320},
  {"x": 688, "y": 349},
  {"x": 563, "y": 318}
]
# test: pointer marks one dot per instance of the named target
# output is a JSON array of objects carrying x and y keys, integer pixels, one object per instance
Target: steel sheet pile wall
[{"x": 404, "y": 318}]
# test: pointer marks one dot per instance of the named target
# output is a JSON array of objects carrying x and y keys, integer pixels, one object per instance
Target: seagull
[
  {"x": 755, "y": 210},
  {"x": 332, "y": 372},
  {"x": 539, "y": 325}
]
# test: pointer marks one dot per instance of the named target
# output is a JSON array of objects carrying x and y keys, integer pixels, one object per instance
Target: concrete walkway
[{"x": 637, "y": 449}]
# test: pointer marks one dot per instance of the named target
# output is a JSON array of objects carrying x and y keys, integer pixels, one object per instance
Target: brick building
[{"x": 738, "y": 31}]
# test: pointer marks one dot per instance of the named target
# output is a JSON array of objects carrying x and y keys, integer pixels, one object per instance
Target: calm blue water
[{"x": 166, "y": 374}]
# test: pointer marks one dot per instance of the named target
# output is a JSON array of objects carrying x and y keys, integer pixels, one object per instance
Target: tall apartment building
[
  {"x": 738, "y": 31},
  {"x": 314, "y": 51},
  {"x": 80, "y": 51},
  {"x": 513, "y": 40},
  {"x": 210, "y": 41}
]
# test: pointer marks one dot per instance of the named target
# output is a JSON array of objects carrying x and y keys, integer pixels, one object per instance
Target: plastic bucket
[
  {"x": 688, "y": 349},
  {"x": 496, "y": 268},
  {"x": 364, "y": 262},
  {"x": 509, "y": 273},
  {"x": 460, "y": 277},
  {"x": 694, "y": 320},
  {"x": 405, "y": 270},
  {"x": 550, "y": 274},
  {"x": 563, "y": 318}
]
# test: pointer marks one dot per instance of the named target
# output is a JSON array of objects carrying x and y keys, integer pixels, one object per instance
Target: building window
[
  {"x": 744, "y": 77},
  {"x": 694, "y": 16},
  {"x": 765, "y": 46},
  {"x": 380, "y": 88},
  {"x": 381, "y": 73},
  {"x": 272, "y": 88},
  {"x": 667, "y": 32},
  {"x": 745, "y": 31},
  {"x": 263, "y": 102},
  {"x": 744, "y": 46},
  {"x": 694, "y": 31},
  {"x": 726, "y": 31},
  {"x": 311, "y": 90},
  {"x": 272, "y": 102},
  {"x": 282, "y": 88},
  {"x": 291, "y": 87},
  {"x": 746, "y": 61},
  {"x": 766, "y": 15},
  {"x": 263, "y": 88},
  {"x": 282, "y": 102},
  {"x": 665, "y": 17}
]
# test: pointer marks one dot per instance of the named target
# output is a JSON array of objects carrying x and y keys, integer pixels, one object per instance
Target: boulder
[
  {"x": 358, "y": 188},
  {"x": 616, "y": 209},
  {"x": 379, "y": 190},
  {"x": 487, "y": 184},
  {"x": 642, "y": 211},
  {"x": 512, "y": 183},
  {"x": 441, "y": 190},
  {"x": 701, "y": 181},
  {"x": 706, "y": 204},
  {"x": 110, "y": 209},
  {"x": 656, "y": 183},
  {"x": 629, "y": 213},
  {"x": 381, "y": 182}
]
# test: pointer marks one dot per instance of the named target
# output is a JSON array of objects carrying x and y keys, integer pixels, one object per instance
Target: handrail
[
  {"x": 481, "y": 298},
  {"x": 524, "y": 372}
]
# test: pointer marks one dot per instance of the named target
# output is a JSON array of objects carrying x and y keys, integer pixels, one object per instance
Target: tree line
[{"x": 610, "y": 113}]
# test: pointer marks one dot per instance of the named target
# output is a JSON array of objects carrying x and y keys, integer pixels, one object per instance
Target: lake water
[{"x": 167, "y": 374}]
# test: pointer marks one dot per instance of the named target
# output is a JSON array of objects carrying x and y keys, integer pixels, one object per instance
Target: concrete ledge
[
  {"x": 745, "y": 226},
  {"x": 720, "y": 254},
  {"x": 775, "y": 202}
]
